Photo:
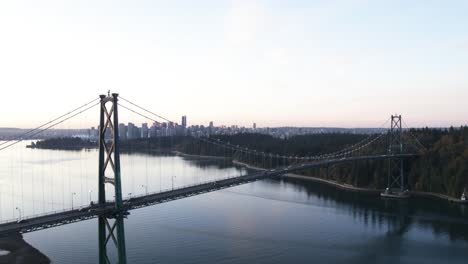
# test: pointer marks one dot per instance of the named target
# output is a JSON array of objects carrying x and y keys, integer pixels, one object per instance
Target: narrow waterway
[{"x": 272, "y": 221}]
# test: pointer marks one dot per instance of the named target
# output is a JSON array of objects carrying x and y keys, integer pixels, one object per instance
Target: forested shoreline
[
  {"x": 63, "y": 143},
  {"x": 441, "y": 167}
]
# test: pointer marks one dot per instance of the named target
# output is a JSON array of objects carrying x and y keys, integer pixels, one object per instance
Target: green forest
[
  {"x": 441, "y": 166},
  {"x": 63, "y": 143}
]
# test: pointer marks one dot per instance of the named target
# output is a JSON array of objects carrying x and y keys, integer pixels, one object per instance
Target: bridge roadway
[{"x": 84, "y": 213}]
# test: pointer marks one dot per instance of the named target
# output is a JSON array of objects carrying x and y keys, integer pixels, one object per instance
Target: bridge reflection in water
[{"x": 392, "y": 220}]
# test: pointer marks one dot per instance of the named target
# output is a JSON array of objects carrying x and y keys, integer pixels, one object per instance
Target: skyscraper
[
  {"x": 184, "y": 121},
  {"x": 210, "y": 128},
  {"x": 144, "y": 130},
  {"x": 131, "y": 133},
  {"x": 122, "y": 131}
]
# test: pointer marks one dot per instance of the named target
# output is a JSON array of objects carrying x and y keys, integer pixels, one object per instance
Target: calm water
[{"x": 272, "y": 221}]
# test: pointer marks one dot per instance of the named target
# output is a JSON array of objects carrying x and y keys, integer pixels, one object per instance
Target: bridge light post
[
  {"x": 72, "y": 195},
  {"x": 90, "y": 198},
  {"x": 19, "y": 214},
  {"x": 146, "y": 188}
]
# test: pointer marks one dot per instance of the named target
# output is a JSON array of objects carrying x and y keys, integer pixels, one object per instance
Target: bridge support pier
[
  {"x": 109, "y": 156},
  {"x": 396, "y": 179}
]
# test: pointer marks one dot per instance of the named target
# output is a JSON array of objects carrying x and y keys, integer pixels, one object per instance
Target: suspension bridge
[{"x": 112, "y": 212}]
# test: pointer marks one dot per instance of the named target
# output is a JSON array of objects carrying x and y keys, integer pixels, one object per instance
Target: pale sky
[{"x": 278, "y": 63}]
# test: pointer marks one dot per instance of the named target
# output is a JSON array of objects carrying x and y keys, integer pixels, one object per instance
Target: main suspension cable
[
  {"x": 146, "y": 110},
  {"x": 412, "y": 135},
  {"x": 51, "y": 126},
  {"x": 47, "y": 123},
  {"x": 138, "y": 113}
]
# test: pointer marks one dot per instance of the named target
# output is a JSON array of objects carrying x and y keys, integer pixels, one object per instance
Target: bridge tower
[
  {"x": 396, "y": 179},
  {"x": 111, "y": 226}
]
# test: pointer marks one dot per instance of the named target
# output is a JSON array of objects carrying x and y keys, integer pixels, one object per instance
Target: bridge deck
[{"x": 66, "y": 217}]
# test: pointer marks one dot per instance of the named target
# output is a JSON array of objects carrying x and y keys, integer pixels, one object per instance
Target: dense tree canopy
[{"x": 441, "y": 167}]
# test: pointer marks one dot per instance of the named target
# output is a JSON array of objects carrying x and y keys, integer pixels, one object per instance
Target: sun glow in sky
[{"x": 347, "y": 63}]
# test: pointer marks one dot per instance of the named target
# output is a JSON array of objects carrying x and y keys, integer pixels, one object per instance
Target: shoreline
[
  {"x": 20, "y": 251},
  {"x": 348, "y": 187},
  {"x": 315, "y": 179},
  {"x": 178, "y": 153}
]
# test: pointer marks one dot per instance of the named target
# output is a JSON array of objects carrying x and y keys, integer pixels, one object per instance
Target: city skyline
[{"x": 300, "y": 63}]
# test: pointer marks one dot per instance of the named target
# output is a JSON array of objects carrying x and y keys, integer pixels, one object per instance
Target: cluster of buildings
[{"x": 132, "y": 131}]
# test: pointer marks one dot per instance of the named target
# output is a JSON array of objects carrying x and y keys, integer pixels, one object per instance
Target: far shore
[
  {"x": 349, "y": 187},
  {"x": 342, "y": 186}
]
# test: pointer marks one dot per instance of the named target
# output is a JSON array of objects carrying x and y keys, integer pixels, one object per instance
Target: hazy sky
[{"x": 301, "y": 63}]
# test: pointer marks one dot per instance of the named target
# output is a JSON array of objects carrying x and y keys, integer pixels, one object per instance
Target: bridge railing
[
  {"x": 77, "y": 208},
  {"x": 178, "y": 188},
  {"x": 28, "y": 217}
]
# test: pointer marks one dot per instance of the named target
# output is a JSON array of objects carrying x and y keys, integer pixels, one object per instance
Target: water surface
[{"x": 271, "y": 221}]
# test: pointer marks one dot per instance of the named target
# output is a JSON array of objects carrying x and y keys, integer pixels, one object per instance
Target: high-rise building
[
  {"x": 144, "y": 130},
  {"x": 131, "y": 131},
  {"x": 254, "y": 125},
  {"x": 184, "y": 121},
  {"x": 122, "y": 131},
  {"x": 137, "y": 132},
  {"x": 93, "y": 133},
  {"x": 211, "y": 128},
  {"x": 154, "y": 130}
]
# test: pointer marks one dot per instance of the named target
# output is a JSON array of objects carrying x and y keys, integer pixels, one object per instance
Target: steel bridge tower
[
  {"x": 396, "y": 179},
  {"x": 111, "y": 226}
]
